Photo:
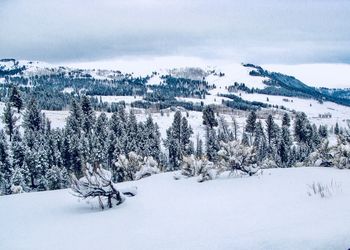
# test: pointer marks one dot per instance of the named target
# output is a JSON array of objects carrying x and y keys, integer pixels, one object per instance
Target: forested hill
[
  {"x": 281, "y": 84},
  {"x": 54, "y": 86}
]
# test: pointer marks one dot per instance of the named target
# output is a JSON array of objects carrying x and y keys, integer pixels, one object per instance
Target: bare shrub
[{"x": 324, "y": 190}]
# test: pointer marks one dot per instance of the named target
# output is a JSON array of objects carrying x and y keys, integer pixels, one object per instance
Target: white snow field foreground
[{"x": 270, "y": 211}]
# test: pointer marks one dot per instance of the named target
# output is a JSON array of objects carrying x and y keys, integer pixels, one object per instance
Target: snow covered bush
[
  {"x": 190, "y": 167},
  {"x": 268, "y": 163},
  {"x": 321, "y": 157},
  {"x": 236, "y": 157},
  {"x": 121, "y": 171},
  {"x": 148, "y": 168},
  {"x": 207, "y": 171},
  {"x": 233, "y": 156},
  {"x": 16, "y": 189},
  {"x": 341, "y": 154},
  {"x": 134, "y": 167},
  {"x": 97, "y": 183}
]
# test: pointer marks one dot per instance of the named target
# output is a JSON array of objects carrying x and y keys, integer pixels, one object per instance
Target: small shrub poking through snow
[{"x": 323, "y": 190}]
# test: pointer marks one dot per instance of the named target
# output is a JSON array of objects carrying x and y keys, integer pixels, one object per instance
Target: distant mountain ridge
[
  {"x": 278, "y": 81},
  {"x": 196, "y": 79}
]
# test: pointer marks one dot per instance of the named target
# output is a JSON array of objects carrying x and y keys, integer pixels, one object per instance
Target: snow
[
  {"x": 271, "y": 211},
  {"x": 236, "y": 73},
  {"x": 339, "y": 113},
  {"x": 209, "y": 99},
  {"x": 154, "y": 80},
  {"x": 7, "y": 65},
  {"x": 317, "y": 75},
  {"x": 68, "y": 90},
  {"x": 126, "y": 99}
]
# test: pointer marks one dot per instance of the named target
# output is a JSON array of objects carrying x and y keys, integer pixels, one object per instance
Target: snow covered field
[
  {"x": 311, "y": 108},
  {"x": 270, "y": 211},
  {"x": 126, "y": 99}
]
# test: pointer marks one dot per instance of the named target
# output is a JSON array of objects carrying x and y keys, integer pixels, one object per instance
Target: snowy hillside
[
  {"x": 312, "y": 108},
  {"x": 270, "y": 211},
  {"x": 318, "y": 75}
]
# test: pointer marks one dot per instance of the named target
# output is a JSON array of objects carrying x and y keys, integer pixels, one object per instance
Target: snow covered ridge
[
  {"x": 26, "y": 68},
  {"x": 270, "y": 211},
  {"x": 223, "y": 76}
]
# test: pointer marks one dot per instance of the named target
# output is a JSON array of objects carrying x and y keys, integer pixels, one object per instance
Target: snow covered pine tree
[{"x": 97, "y": 183}]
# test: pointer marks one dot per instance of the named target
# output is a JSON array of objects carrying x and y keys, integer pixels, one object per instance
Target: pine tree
[
  {"x": 185, "y": 142},
  {"x": 176, "y": 127},
  {"x": 286, "y": 120},
  {"x": 111, "y": 148},
  {"x": 316, "y": 139},
  {"x": 286, "y": 137},
  {"x": 6, "y": 170},
  {"x": 283, "y": 153},
  {"x": 101, "y": 127},
  {"x": 74, "y": 120},
  {"x": 323, "y": 131},
  {"x": 88, "y": 115},
  {"x": 235, "y": 128},
  {"x": 224, "y": 133},
  {"x": 336, "y": 129},
  {"x": 245, "y": 139},
  {"x": 32, "y": 117},
  {"x": 259, "y": 141},
  {"x": 174, "y": 149},
  {"x": 212, "y": 144},
  {"x": 65, "y": 151},
  {"x": 15, "y": 99},
  {"x": 199, "y": 147},
  {"x": 118, "y": 125},
  {"x": 251, "y": 123},
  {"x": 132, "y": 133},
  {"x": 40, "y": 167},
  {"x": 300, "y": 127},
  {"x": 151, "y": 139},
  {"x": 209, "y": 117},
  {"x": 271, "y": 129},
  {"x": 57, "y": 178},
  {"x": 75, "y": 155},
  {"x": 9, "y": 120},
  {"x": 17, "y": 150},
  {"x": 173, "y": 142},
  {"x": 18, "y": 180}
]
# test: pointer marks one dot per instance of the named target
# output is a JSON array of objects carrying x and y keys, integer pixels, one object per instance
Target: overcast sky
[{"x": 290, "y": 31}]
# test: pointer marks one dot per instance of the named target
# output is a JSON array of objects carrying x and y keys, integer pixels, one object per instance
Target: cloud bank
[{"x": 289, "y": 31}]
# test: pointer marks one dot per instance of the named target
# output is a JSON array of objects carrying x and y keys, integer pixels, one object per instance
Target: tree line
[{"x": 34, "y": 156}]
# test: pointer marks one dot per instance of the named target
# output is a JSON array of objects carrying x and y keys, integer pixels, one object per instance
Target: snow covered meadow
[
  {"x": 269, "y": 211},
  {"x": 266, "y": 189}
]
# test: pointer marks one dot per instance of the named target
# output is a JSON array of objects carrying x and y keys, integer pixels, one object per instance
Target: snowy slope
[
  {"x": 317, "y": 75},
  {"x": 235, "y": 73},
  {"x": 311, "y": 107},
  {"x": 272, "y": 211}
]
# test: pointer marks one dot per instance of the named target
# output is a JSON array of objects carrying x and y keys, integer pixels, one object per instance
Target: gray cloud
[{"x": 290, "y": 31}]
